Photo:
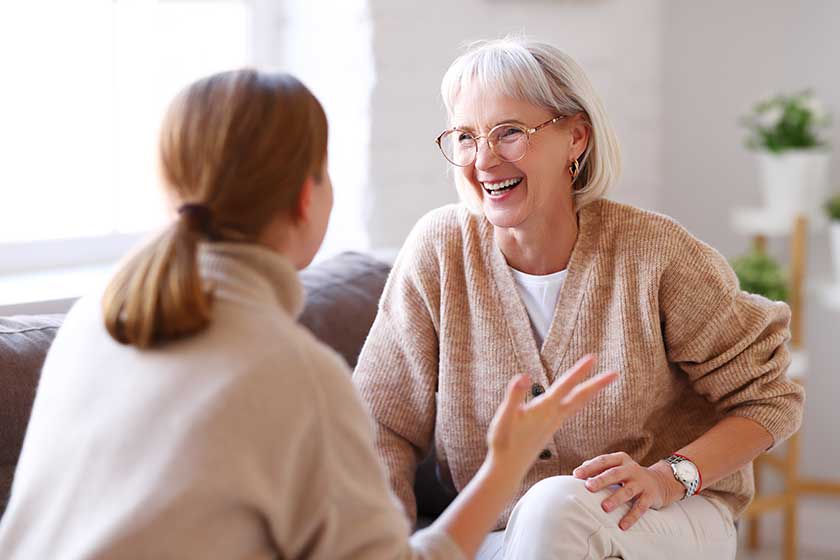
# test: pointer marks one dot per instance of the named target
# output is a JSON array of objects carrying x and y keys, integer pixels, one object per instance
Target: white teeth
[{"x": 501, "y": 185}]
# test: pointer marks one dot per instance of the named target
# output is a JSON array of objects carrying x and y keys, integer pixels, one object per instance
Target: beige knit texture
[{"x": 649, "y": 299}]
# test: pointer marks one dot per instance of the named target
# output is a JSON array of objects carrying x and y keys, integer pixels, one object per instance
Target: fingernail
[
  {"x": 622, "y": 526},
  {"x": 607, "y": 507}
]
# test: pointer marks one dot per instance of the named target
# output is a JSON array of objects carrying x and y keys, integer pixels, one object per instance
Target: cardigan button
[
  {"x": 545, "y": 454},
  {"x": 537, "y": 390}
]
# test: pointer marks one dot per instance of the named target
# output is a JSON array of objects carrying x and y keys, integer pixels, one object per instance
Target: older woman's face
[{"x": 539, "y": 182}]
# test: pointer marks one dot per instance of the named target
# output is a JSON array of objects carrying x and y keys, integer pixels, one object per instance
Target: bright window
[
  {"x": 329, "y": 46},
  {"x": 85, "y": 86}
]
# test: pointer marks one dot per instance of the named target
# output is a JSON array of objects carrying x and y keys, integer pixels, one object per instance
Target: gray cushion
[
  {"x": 342, "y": 295},
  {"x": 24, "y": 341}
]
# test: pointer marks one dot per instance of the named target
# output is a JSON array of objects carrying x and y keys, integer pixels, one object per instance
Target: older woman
[{"x": 537, "y": 268}]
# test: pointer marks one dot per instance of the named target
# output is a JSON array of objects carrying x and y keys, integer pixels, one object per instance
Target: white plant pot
[
  {"x": 834, "y": 232},
  {"x": 795, "y": 182}
]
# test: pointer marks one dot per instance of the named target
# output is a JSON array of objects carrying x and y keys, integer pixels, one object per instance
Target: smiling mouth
[{"x": 501, "y": 186}]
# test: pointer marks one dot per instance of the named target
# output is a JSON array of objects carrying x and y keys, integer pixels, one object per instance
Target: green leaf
[
  {"x": 758, "y": 273},
  {"x": 797, "y": 127},
  {"x": 832, "y": 207}
]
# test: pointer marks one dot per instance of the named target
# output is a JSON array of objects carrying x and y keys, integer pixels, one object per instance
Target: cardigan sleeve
[
  {"x": 732, "y": 345},
  {"x": 396, "y": 373}
]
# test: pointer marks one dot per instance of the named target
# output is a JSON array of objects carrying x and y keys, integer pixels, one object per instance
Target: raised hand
[{"x": 520, "y": 430}]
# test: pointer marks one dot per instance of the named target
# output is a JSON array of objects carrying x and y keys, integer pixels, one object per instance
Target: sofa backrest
[
  {"x": 342, "y": 295},
  {"x": 24, "y": 342}
]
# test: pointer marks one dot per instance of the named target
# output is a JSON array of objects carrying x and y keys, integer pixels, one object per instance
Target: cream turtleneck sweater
[{"x": 246, "y": 441}]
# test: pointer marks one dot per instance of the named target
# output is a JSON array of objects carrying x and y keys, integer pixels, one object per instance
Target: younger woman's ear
[{"x": 303, "y": 208}]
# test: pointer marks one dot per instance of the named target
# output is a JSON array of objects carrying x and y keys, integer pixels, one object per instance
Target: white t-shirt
[{"x": 539, "y": 294}]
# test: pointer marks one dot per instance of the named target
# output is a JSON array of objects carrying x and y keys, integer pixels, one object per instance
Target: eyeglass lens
[{"x": 508, "y": 142}]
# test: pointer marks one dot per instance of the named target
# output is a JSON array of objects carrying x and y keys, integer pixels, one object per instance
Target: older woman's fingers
[
  {"x": 623, "y": 495},
  {"x": 615, "y": 475},
  {"x": 636, "y": 512},
  {"x": 599, "y": 464}
]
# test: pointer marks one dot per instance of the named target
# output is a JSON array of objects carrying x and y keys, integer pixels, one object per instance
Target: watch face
[{"x": 686, "y": 471}]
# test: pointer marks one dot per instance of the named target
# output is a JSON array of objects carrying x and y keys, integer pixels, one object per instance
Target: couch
[{"x": 342, "y": 297}]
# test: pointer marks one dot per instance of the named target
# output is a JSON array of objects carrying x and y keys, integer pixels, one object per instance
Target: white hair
[{"x": 547, "y": 77}]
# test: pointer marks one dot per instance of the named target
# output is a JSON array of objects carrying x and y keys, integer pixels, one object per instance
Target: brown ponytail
[{"x": 235, "y": 149}]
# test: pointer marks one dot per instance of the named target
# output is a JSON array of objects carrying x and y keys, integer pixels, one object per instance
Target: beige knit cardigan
[{"x": 644, "y": 295}]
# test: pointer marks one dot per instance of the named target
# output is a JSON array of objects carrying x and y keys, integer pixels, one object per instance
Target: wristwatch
[{"x": 686, "y": 473}]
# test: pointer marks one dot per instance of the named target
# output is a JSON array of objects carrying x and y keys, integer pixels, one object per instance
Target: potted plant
[
  {"x": 758, "y": 273},
  {"x": 832, "y": 208},
  {"x": 792, "y": 156}
]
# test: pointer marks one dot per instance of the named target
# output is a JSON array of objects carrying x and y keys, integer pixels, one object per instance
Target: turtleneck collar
[{"x": 250, "y": 273}]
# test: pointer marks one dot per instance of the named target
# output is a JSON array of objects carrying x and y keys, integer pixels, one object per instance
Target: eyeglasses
[{"x": 508, "y": 141}]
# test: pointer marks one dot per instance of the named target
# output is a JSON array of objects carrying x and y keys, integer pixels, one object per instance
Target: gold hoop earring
[{"x": 574, "y": 169}]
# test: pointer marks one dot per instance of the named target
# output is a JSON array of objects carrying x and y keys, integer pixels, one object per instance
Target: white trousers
[{"x": 558, "y": 518}]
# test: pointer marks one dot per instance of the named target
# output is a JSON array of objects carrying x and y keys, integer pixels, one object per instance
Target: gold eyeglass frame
[{"x": 528, "y": 133}]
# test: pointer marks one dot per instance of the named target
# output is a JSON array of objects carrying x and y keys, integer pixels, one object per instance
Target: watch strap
[{"x": 691, "y": 487}]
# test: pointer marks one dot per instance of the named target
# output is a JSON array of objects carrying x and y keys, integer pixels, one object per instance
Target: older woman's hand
[{"x": 651, "y": 487}]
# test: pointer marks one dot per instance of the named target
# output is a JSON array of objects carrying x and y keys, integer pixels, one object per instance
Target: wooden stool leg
[
  {"x": 790, "y": 531},
  {"x": 797, "y": 307}
]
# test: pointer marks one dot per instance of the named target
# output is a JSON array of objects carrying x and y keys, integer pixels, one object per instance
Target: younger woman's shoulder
[{"x": 291, "y": 361}]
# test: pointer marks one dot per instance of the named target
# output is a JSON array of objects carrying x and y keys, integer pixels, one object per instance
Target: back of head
[
  {"x": 235, "y": 149},
  {"x": 546, "y": 77}
]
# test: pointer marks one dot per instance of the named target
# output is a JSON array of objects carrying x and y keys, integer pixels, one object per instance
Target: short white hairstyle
[{"x": 546, "y": 77}]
